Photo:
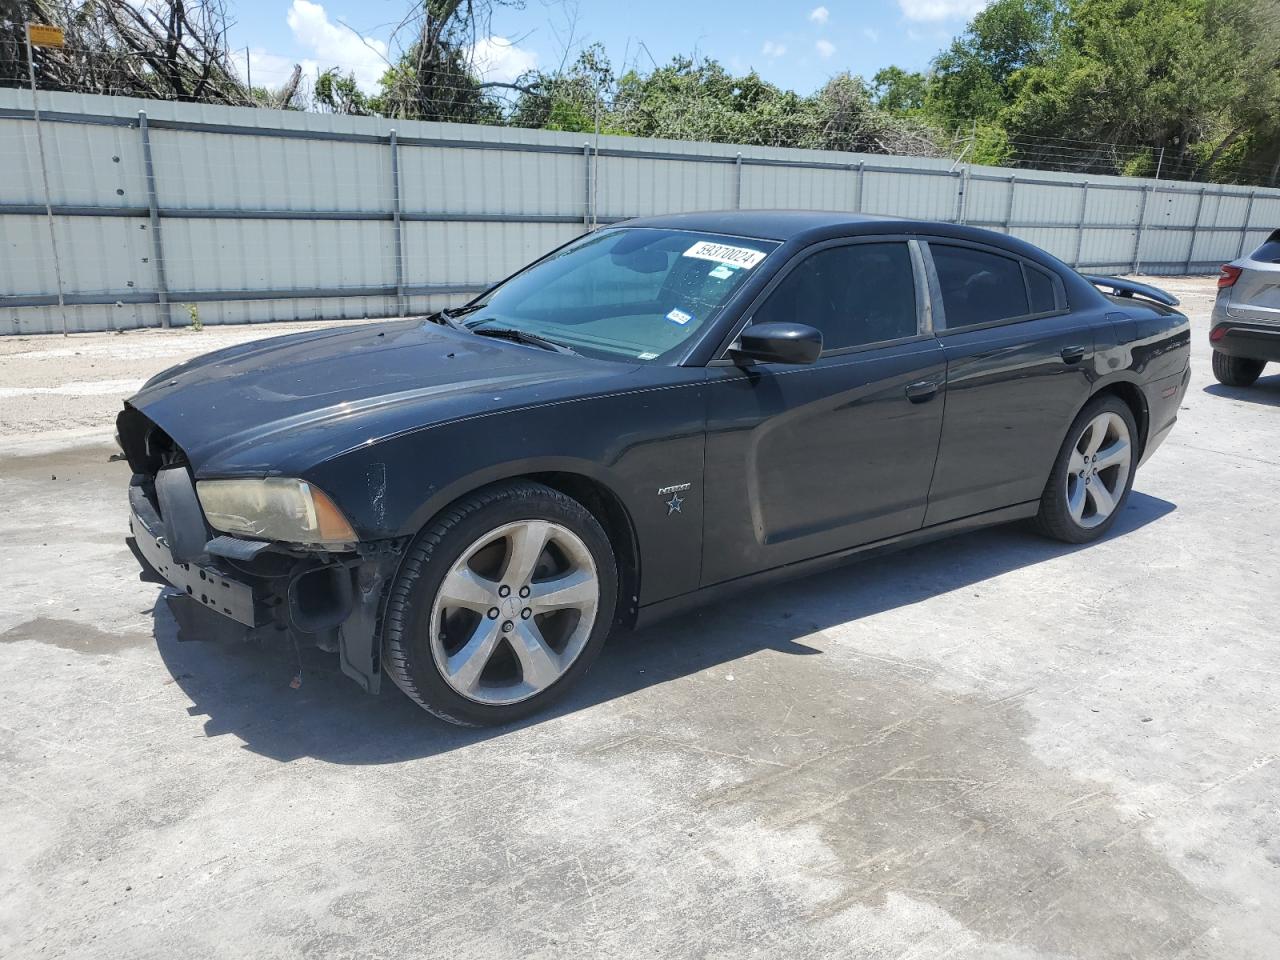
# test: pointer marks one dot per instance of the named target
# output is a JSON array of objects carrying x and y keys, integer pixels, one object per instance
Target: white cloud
[
  {"x": 940, "y": 9},
  {"x": 825, "y": 48},
  {"x": 871, "y": 34},
  {"x": 820, "y": 15},
  {"x": 773, "y": 50},
  {"x": 501, "y": 61},
  {"x": 334, "y": 45}
]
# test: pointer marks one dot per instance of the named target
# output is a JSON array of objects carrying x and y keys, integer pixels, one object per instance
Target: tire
[
  {"x": 473, "y": 656},
  {"x": 1236, "y": 371},
  {"x": 1081, "y": 501}
]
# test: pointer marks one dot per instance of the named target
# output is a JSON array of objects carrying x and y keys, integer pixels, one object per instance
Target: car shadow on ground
[
  {"x": 245, "y": 690},
  {"x": 1265, "y": 391}
]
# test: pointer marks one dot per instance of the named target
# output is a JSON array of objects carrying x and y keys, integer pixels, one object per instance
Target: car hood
[{"x": 254, "y": 408}]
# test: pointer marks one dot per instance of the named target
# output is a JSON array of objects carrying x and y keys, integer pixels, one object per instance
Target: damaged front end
[{"x": 240, "y": 588}]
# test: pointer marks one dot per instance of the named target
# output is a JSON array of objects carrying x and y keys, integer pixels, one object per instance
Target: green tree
[
  {"x": 899, "y": 91},
  {"x": 971, "y": 79},
  {"x": 571, "y": 99},
  {"x": 1150, "y": 73},
  {"x": 338, "y": 93}
]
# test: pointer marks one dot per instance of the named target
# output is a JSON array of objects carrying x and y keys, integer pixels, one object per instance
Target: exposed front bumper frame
[
  {"x": 206, "y": 584},
  {"x": 214, "y": 594}
]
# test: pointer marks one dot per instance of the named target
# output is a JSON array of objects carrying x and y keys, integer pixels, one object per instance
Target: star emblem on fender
[{"x": 674, "y": 504}]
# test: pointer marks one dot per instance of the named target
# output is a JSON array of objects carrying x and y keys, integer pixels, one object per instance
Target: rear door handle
[
  {"x": 1072, "y": 354},
  {"x": 922, "y": 391}
]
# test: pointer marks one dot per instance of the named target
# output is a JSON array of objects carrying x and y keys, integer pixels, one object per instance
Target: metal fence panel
[{"x": 258, "y": 215}]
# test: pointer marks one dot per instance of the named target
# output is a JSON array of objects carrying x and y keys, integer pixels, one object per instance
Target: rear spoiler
[{"x": 1131, "y": 288}]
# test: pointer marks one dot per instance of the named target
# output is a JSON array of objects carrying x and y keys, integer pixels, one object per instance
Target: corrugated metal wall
[{"x": 265, "y": 215}]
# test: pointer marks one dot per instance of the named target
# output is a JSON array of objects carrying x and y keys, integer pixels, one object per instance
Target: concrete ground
[{"x": 992, "y": 747}]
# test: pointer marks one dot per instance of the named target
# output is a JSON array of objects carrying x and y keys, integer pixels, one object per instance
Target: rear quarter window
[{"x": 1041, "y": 289}]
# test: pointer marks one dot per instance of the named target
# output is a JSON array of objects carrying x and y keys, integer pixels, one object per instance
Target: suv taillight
[{"x": 1228, "y": 275}]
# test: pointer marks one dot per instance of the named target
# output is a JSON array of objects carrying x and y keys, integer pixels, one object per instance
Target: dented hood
[{"x": 280, "y": 404}]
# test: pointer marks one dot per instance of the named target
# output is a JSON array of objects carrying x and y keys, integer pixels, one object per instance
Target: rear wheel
[
  {"x": 501, "y": 604},
  {"x": 1093, "y": 473},
  {"x": 1236, "y": 371}
]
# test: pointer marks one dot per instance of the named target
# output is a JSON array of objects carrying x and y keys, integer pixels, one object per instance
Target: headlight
[{"x": 274, "y": 508}]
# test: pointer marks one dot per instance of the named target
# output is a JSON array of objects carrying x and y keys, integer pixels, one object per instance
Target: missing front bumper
[{"x": 334, "y": 604}]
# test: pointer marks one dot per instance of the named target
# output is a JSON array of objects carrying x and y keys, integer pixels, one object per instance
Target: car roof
[
  {"x": 799, "y": 228},
  {"x": 767, "y": 224}
]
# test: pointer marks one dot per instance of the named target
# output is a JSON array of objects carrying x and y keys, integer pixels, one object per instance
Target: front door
[{"x": 807, "y": 460}]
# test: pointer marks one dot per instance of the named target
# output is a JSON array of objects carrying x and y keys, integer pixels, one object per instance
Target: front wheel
[
  {"x": 1091, "y": 478},
  {"x": 502, "y": 602},
  {"x": 1236, "y": 371}
]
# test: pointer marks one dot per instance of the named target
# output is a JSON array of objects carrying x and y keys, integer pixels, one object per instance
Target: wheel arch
[
  {"x": 584, "y": 482},
  {"x": 1130, "y": 393},
  {"x": 612, "y": 514}
]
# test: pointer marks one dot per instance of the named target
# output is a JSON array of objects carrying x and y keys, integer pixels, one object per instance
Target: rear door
[
  {"x": 1017, "y": 373},
  {"x": 807, "y": 460}
]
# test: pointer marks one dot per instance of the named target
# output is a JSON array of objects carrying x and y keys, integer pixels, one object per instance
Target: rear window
[
  {"x": 1269, "y": 252},
  {"x": 978, "y": 287}
]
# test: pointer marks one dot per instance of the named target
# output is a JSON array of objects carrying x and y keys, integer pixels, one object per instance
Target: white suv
[{"x": 1246, "y": 316}]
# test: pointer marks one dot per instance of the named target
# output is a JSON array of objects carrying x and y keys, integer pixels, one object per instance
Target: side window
[
  {"x": 855, "y": 294},
  {"x": 1041, "y": 288},
  {"x": 978, "y": 287}
]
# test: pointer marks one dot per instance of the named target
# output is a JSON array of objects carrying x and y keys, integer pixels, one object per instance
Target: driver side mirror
[{"x": 777, "y": 343}]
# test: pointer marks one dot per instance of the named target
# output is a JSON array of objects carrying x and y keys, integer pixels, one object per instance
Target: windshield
[{"x": 624, "y": 294}]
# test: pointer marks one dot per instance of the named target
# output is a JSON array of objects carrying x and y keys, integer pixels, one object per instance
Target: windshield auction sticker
[{"x": 723, "y": 253}]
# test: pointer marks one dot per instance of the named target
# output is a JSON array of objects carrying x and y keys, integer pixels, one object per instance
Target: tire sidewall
[
  {"x": 1236, "y": 371},
  {"x": 513, "y": 503}
]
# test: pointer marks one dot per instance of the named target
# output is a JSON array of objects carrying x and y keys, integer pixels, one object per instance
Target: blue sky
[{"x": 795, "y": 45}]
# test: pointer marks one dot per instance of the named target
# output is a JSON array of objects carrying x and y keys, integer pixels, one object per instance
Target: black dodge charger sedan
[{"x": 647, "y": 417}]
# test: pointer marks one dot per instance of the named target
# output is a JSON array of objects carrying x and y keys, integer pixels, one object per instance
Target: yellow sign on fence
[{"x": 43, "y": 35}]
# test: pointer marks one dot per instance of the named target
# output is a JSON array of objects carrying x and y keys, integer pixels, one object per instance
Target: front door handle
[
  {"x": 922, "y": 391},
  {"x": 1072, "y": 354}
]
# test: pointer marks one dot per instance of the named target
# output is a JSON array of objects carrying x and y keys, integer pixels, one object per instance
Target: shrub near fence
[{"x": 260, "y": 215}]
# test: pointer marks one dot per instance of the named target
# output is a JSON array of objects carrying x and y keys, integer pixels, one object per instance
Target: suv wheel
[
  {"x": 1236, "y": 371},
  {"x": 1091, "y": 478},
  {"x": 502, "y": 602}
]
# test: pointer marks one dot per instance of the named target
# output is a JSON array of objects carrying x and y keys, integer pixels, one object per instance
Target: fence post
[
  {"x": 1244, "y": 230},
  {"x": 1084, "y": 207},
  {"x": 1008, "y": 212},
  {"x": 44, "y": 174},
  {"x": 586, "y": 204},
  {"x": 1137, "y": 236},
  {"x": 153, "y": 213},
  {"x": 737, "y": 190},
  {"x": 1195, "y": 231},
  {"x": 862, "y": 173},
  {"x": 395, "y": 219}
]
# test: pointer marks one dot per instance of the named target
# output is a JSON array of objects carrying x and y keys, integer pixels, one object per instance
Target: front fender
[{"x": 393, "y": 487}]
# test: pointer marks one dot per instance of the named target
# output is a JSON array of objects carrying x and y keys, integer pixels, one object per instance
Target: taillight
[
  {"x": 1228, "y": 275},
  {"x": 1217, "y": 333}
]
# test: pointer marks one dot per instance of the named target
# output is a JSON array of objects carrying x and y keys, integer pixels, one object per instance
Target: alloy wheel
[
  {"x": 1098, "y": 469},
  {"x": 514, "y": 612}
]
